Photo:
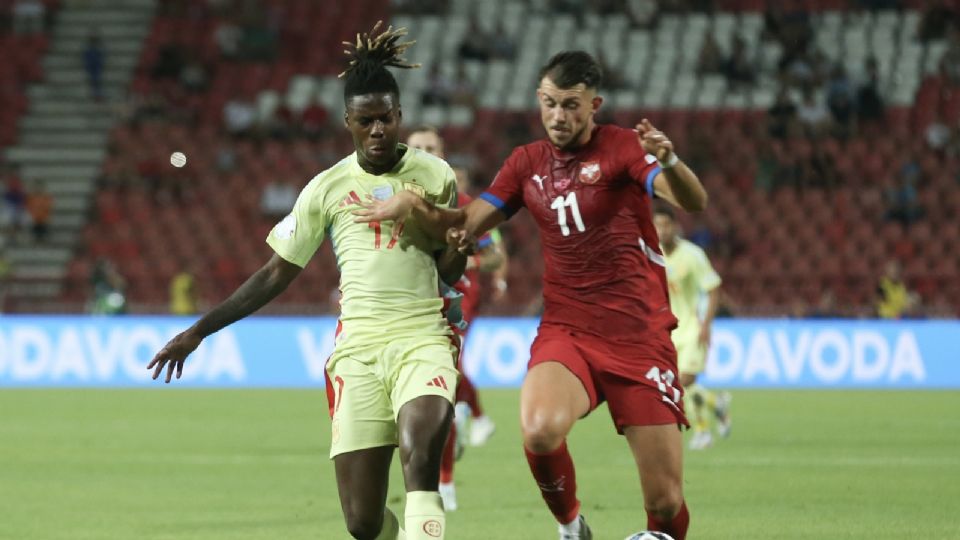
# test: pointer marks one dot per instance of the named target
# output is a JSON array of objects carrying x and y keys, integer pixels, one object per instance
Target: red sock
[
  {"x": 557, "y": 480},
  {"x": 676, "y": 527},
  {"x": 468, "y": 393},
  {"x": 448, "y": 458}
]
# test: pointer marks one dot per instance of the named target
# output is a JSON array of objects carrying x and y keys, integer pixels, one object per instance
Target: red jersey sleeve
[
  {"x": 642, "y": 167},
  {"x": 506, "y": 191}
]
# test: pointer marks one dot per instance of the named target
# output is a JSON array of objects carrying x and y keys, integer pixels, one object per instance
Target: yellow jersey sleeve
[
  {"x": 705, "y": 276},
  {"x": 298, "y": 236}
]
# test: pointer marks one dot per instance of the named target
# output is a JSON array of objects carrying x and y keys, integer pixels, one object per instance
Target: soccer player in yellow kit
[
  {"x": 689, "y": 276},
  {"x": 392, "y": 376}
]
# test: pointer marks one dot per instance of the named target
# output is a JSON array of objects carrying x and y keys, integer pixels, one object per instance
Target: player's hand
[
  {"x": 174, "y": 354},
  {"x": 461, "y": 241},
  {"x": 396, "y": 208},
  {"x": 704, "y": 338},
  {"x": 654, "y": 141}
]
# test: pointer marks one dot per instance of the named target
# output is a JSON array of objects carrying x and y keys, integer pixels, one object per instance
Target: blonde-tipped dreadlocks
[{"x": 369, "y": 57}]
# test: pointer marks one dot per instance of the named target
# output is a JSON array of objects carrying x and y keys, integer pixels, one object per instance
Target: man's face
[
  {"x": 567, "y": 113},
  {"x": 666, "y": 229},
  {"x": 374, "y": 122},
  {"x": 428, "y": 141}
]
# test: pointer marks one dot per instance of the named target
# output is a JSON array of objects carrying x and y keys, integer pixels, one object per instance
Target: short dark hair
[
  {"x": 569, "y": 68},
  {"x": 367, "y": 72},
  {"x": 664, "y": 209}
]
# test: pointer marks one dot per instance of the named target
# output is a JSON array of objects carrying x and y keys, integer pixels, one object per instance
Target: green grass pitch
[{"x": 188, "y": 464}]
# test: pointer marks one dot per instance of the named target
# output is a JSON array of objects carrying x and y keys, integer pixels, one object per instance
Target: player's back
[
  {"x": 388, "y": 273},
  {"x": 603, "y": 269}
]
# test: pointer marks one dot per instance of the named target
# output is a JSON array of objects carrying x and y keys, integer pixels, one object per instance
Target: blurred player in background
[
  {"x": 488, "y": 258},
  {"x": 689, "y": 277},
  {"x": 605, "y": 331},
  {"x": 392, "y": 375}
]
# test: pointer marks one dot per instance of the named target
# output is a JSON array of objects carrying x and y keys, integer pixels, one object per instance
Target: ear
[
  {"x": 596, "y": 102},
  {"x": 346, "y": 120}
]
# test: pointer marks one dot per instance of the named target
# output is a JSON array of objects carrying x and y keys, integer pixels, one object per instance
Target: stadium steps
[{"x": 63, "y": 136}]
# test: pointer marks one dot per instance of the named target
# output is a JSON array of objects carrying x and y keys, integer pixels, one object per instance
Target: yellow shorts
[
  {"x": 691, "y": 356},
  {"x": 368, "y": 388}
]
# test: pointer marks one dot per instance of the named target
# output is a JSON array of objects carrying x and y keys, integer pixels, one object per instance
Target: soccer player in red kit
[{"x": 605, "y": 330}]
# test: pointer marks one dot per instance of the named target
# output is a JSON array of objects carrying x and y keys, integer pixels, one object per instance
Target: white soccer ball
[
  {"x": 178, "y": 159},
  {"x": 649, "y": 535}
]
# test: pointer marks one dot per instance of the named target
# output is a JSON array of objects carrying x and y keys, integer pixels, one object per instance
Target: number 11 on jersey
[{"x": 560, "y": 204}]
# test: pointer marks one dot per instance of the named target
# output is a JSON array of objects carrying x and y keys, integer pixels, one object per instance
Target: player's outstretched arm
[
  {"x": 476, "y": 218},
  {"x": 264, "y": 285},
  {"x": 676, "y": 183},
  {"x": 452, "y": 261}
]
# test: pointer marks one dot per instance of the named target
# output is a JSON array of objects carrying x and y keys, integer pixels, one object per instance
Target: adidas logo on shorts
[{"x": 438, "y": 382}]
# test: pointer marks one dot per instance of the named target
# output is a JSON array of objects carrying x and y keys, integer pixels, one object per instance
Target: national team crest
[
  {"x": 415, "y": 187},
  {"x": 590, "y": 172}
]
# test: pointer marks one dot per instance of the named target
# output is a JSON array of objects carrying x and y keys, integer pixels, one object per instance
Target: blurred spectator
[
  {"x": 239, "y": 116},
  {"x": 937, "y": 17},
  {"x": 840, "y": 100},
  {"x": 170, "y": 62},
  {"x": 228, "y": 36},
  {"x": 710, "y": 58},
  {"x": 40, "y": 206},
  {"x": 278, "y": 199},
  {"x": 29, "y": 16},
  {"x": 183, "y": 294},
  {"x": 870, "y": 106},
  {"x": 813, "y": 113},
  {"x": 894, "y": 299},
  {"x": 194, "y": 76},
  {"x": 738, "y": 68},
  {"x": 315, "y": 120},
  {"x": 503, "y": 47},
  {"x": 781, "y": 114},
  {"x": 439, "y": 88},
  {"x": 108, "y": 289},
  {"x": 226, "y": 158},
  {"x": 13, "y": 213},
  {"x": 903, "y": 203},
  {"x": 463, "y": 92},
  {"x": 93, "y": 65},
  {"x": 643, "y": 13},
  {"x": 476, "y": 44},
  {"x": 937, "y": 133}
]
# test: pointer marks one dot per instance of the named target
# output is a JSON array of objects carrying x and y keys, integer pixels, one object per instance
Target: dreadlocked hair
[{"x": 369, "y": 58}]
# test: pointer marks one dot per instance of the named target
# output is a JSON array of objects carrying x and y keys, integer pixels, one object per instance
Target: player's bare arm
[
  {"x": 263, "y": 286},
  {"x": 489, "y": 259},
  {"x": 452, "y": 261},
  {"x": 475, "y": 218},
  {"x": 676, "y": 184},
  {"x": 713, "y": 301}
]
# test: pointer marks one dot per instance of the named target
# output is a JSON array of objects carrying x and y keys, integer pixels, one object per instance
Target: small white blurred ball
[{"x": 177, "y": 159}]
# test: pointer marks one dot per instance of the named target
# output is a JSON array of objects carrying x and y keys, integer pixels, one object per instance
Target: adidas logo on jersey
[{"x": 438, "y": 382}]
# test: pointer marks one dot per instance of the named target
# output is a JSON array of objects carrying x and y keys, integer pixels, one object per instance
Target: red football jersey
[{"x": 604, "y": 272}]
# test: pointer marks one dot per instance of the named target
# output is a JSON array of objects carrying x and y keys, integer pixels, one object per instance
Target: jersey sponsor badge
[
  {"x": 286, "y": 227},
  {"x": 590, "y": 172},
  {"x": 415, "y": 188},
  {"x": 382, "y": 193}
]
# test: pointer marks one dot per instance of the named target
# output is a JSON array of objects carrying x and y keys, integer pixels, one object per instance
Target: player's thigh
[
  {"x": 422, "y": 368},
  {"x": 557, "y": 390},
  {"x": 658, "y": 453},
  {"x": 362, "y": 480},
  {"x": 363, "y": 414}
]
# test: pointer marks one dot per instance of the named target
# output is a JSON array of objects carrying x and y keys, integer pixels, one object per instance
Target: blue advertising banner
[{"x": 291, "y": 351}]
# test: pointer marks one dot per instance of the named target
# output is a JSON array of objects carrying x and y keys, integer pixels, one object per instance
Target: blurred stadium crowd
[{"x": 826, "y": 131}]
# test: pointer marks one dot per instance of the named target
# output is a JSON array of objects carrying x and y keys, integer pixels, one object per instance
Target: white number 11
[{"x": 560, "y": 205}]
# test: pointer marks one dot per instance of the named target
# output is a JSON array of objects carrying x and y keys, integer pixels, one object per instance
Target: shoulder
[
  {"x": 418, "y": 159},
  {"x": 524, "y": 157},
  {"x": 692, "y": 250},
  {"x": 327, "y": 181}
]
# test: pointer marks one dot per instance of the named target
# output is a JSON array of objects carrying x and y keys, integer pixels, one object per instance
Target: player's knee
[
  {"x": 665, "y": 504},
  {"x": 363, "y": 525},
  {"x": 544, "y": 432}
]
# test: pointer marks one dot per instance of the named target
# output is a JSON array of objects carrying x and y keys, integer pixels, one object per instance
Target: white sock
[{"x": 571, "y": 528}]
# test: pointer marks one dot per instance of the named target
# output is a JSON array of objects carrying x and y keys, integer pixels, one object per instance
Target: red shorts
[{"x": 639, "y": 391}]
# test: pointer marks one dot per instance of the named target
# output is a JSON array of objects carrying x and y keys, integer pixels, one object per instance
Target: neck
[
  {"x": 377, "y": 169},
  {"x": 582, "y": 140},
  {"x": 668, "y": 247}
]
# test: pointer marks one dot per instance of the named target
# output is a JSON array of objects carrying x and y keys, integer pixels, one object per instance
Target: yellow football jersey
[
  {"x": 388, "y": 271},
  {"x": 689, "y": 276}
]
